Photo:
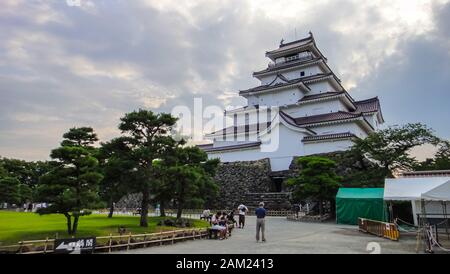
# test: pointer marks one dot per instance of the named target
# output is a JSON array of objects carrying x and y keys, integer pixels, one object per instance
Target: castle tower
[{"x": 300, "y": 108}]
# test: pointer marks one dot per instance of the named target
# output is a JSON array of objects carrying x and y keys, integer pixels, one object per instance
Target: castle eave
[
  {"x": 252, "y": 145},
  {"x": 290, "y": 66},
  {"x": 329, "y": 137}
]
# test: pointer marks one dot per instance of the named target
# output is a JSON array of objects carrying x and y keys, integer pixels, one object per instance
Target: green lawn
[{"x": 17, "y": 226}]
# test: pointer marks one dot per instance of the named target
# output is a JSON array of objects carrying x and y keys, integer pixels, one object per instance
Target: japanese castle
[{"x": 300, "y": 108}]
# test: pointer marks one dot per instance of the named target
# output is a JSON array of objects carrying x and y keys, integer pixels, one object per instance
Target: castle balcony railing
[{"x": 291, "y": 59}]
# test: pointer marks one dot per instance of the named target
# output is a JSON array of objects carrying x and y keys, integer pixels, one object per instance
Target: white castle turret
[{"x": 300, "y": 108}]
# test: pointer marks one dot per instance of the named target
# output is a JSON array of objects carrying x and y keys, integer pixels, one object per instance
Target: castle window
[
  {"x": 292, "y": 57},
  {"x": 302, "y": 73}
]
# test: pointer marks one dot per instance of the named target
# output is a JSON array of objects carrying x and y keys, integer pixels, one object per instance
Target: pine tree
[{"x": 71, "y": 187}]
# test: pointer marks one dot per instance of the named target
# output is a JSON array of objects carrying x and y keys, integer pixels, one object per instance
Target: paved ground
[{"x": 288, "y": 237}]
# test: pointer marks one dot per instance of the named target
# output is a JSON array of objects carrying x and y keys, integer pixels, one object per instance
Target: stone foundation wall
[
  {"x": 236, "y": 179},
  {"x": 249, "y": 182},
  {"x": 132, "y": 201}
]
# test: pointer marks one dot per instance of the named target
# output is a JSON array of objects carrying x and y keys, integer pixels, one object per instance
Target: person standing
[
  {"x": 260, "y": 213},
  {"x": 242, "y": 211},
  {"x": 206, "y": 215},
  {"x": 297, "y": 209}
]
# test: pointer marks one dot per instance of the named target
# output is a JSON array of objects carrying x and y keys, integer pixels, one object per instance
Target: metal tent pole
[{"x": 444, "y": 209}]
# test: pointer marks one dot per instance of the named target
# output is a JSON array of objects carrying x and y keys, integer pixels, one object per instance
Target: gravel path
[{"x": 287, "y": 237}]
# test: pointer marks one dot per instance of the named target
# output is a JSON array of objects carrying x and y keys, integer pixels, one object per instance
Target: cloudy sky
[{"x": 64, "y": 64}]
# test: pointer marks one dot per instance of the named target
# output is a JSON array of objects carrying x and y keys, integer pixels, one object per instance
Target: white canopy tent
[
  {"x": 435, "y": 189},
  {"x": 439, "y": 193}
]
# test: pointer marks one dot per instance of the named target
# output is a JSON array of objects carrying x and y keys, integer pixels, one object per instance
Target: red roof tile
[
  {"x": 344, "y": 135},
  {"x": 238, "y": 146},
  {"x": 285, "y": 65},
  {"x": 287, "y": 83},
  {"x": 243, "y": 128},
  {"x": 328, "y": 117},
  {"x": 369, "y": 105},
  {"x": 320, "y": 95}
]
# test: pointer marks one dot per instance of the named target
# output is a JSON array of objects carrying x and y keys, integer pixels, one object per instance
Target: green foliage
[
  {"x": 25, "y": 193},
  {"x": 3, "y": 172},
  {"x": 146, "y": 140},
  {"x": 190, "y": 178},
  {"x": 145, "y": 159},
  {"x": 390, "y": 147},
  {"x": 27, "y": 173},
  {"x": 317, "y": 179},
  {"x": 357, "y": 171},
  {"x": 82, "y": 137},
  {"x": 71, "y": 187},
  {"x": 118, "y": 171},
  {"x": 9, "y": 190}
]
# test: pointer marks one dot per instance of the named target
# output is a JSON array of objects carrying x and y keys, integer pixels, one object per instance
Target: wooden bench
[
  {"x": 215, "y": 232},
  {"x": 212, "y": 232}
]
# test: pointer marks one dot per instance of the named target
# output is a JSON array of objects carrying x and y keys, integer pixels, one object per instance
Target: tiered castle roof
[{"x": 291, "y": 57}]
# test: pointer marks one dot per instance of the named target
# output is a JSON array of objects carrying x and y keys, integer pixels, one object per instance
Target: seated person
[
  {"x": 217, "y": 224},
  {"x": 215, "y": 218},
  {"x": 231, "y": 219},
  {"x": 223, "y": 219}
]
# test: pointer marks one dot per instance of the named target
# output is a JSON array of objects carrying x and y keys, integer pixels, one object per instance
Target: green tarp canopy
[{"x": 352, "y": 203}]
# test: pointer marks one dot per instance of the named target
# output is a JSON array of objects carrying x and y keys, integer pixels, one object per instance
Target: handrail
[{"x": 153, "y": 238}]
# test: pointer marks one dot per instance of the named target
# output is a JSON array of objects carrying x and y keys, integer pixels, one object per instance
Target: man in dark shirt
[{"x": 260, "y": 213}]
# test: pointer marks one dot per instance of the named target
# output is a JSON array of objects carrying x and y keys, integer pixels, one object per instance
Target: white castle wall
[
  {"x": 352, "y": 127},
  {"x": 288, "y": 144},
  {"x": 327, "y": 146},
  {"x": 372, "y": 119},
  {"x": 316, "y": 108},
  {"x": 280, "y": 97},
  {"x": 319, "y": 87},
  {"x": 252, "y": 100},
  {"x": 293, "y": 74}
]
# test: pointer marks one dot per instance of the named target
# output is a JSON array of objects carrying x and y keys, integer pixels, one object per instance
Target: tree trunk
[
  {"x": 162, "y": 209},
  {"x": 180, "y": 203},
  {"x": 320, "y": 207},
  {"x": 144, "y": 208},
  {"x": 179, "y": 210},
  {"x": 69, "y": 223},
  {"x": 75, "y": 225},
  {"x": 111, "y": 208},
  {"x": 333, "y": 208}
]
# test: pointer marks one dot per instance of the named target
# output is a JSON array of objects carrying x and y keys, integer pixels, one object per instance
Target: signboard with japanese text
[{"x": 74, "y": 246}]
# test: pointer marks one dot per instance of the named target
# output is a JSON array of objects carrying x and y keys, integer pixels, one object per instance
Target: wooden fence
[
  {"x": 195, "y": 213},
  {"x": 113, "y": 242},
  {"x": 380, "y": 229},
  {"x": 302, "y": 217}
]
